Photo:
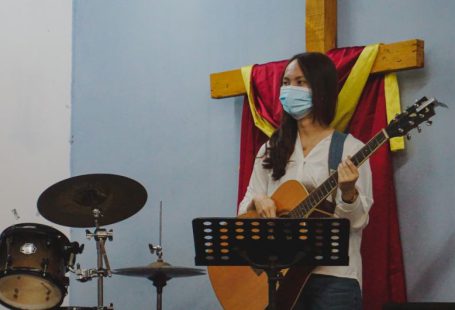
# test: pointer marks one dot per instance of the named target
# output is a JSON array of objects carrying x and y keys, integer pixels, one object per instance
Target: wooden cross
[{"x": 321, "y": 33}]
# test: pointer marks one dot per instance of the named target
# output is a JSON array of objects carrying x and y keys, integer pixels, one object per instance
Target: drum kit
[{"x": 35, "y": 258}]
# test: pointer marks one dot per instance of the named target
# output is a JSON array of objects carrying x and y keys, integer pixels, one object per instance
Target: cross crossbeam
[{"x": 321, "y": 20}]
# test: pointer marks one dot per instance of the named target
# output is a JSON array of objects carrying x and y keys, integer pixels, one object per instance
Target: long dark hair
[{"x": 320, "y": 72}]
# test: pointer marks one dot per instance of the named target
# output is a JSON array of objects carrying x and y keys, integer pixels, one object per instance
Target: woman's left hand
[{"x": 347, "y": 176}]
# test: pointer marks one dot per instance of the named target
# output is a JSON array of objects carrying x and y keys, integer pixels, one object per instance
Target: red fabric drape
[
  {"x": 265, "y": 79},
  {"x": 344, "y": 59},
  {"x": 383, "y": 270},
  {"x": 250, "y": 141},
  {"x": 266, "y": 97}
]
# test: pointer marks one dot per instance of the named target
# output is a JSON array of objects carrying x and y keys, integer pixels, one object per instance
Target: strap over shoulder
[{"x": 336, "y": 150}]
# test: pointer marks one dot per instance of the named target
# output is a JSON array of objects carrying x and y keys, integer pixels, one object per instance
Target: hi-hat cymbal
[
  {"x": 71, "y": 202},
  {"x": 159, "y": 269}
]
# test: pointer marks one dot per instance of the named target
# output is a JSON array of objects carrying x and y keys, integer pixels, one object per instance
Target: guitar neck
[{"x": 328, "y": 186}]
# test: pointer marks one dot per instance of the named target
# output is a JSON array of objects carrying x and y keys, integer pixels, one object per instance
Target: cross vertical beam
[{"x": 321, "y": 25}]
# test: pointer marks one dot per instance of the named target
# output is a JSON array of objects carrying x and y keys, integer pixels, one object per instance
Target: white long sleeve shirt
[{"x": 312, "y": 170}]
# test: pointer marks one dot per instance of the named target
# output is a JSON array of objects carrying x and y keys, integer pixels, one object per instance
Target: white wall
[{"x": 35, "y": 106}]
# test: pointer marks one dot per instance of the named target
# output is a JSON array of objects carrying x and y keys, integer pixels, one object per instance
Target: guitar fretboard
[{"x": 328, "y": 186}]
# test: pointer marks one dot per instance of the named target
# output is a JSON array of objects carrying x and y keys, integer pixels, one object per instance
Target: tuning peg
[
  {"x": 412, "y": 123},
  {"x": 400, "y": 130},
  {"x": 419, "y": 129},
  {"x": 429, "y": 123},
  {"x": 408, "y": 136}
]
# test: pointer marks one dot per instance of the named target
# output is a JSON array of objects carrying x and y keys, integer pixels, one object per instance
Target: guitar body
[{"x": 242, "y": 287}]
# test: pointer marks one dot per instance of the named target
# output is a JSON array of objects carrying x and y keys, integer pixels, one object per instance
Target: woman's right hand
[{"x": 265, "y": 206}]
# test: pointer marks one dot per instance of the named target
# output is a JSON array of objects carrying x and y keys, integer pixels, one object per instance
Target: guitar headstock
[{"x": 415, "y": 115}]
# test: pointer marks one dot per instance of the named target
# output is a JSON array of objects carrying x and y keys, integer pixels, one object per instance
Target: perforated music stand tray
[{"x": 271, "y": 244}]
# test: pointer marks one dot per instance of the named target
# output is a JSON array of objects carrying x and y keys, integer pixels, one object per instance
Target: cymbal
[
  {"x": 159, "y": 269},
  {"x": 71, "y": 202}
]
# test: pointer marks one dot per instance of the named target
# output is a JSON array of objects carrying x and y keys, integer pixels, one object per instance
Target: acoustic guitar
[{"x": 242, "y": 287}]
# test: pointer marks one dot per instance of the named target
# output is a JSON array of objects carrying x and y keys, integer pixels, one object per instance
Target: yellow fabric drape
[
  {"x": 392, "y": 98},
  {"x": 353, "y": 87},
  {"x": 259, "y": 121}
]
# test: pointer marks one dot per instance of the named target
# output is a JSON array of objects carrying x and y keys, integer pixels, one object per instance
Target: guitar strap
[
  {"x": 327, "y": 208},
  {"x": 336, "y": 150},
  {"x": 336, "y": 153}
]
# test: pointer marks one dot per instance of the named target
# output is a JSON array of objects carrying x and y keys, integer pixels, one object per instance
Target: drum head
[{"x": 26, "y": 291}]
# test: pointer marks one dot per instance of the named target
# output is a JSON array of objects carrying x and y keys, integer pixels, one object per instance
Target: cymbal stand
[
  {"x": 100, "y": 235},
  {"x": 160, "y": 280}
]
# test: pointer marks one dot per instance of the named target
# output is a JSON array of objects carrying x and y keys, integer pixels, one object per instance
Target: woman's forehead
[{"x": 293, "y": 70}]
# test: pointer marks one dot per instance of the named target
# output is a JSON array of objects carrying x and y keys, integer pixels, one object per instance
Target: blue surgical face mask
[{"x": 296, "y": 101}]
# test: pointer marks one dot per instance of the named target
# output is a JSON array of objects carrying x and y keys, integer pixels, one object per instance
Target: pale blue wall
[
  {"x": 425, "y": 172},
  {"x": 142, "y": 108}
]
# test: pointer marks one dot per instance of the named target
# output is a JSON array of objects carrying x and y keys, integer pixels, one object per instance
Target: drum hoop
[
  {"x": 63, "y": 288},
  {"x": 36, "y": 228},
  {"x": 39, "y": 274},
  {"x": 57, "y": 306}
]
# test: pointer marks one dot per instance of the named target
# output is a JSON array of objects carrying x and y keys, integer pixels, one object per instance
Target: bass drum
[{"x": 33, "y": 263}]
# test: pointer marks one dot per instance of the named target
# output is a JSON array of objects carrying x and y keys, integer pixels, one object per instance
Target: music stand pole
[{"x": 273, "y": 276}]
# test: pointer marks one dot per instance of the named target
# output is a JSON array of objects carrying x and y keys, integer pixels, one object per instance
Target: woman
[{"x": 299, "y": 150}]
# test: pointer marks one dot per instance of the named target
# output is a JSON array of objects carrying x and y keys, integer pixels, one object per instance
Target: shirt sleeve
[
  {"x": 258, "y": 182},
  {"x": 356, "y": 212}
]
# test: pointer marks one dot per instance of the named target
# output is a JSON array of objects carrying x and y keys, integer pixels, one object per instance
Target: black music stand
[{"x": 271, "y": 244}]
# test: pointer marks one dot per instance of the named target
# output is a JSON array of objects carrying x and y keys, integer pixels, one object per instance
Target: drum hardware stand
[
  {"x": 159, "y": 281},
  {"x": 159, "y": 272},
  {"x": 158, "y": 249},
  {"x": 92, "y": 200},
  {"x": 100, "y": 235}
]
